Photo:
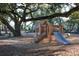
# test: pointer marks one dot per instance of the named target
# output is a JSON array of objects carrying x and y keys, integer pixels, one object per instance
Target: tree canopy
[{"x": 23, "y": 12}]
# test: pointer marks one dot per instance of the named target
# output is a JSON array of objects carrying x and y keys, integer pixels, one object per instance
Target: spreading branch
[
  {"x": 4, "y": 21},
  {"x": 65, "y": 14}
]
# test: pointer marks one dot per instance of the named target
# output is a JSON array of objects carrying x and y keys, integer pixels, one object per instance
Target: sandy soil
[{"x": 23, "y": 46}]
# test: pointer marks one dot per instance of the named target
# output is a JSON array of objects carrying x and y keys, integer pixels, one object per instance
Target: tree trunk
[
  {"x": 78, "y": 29},
  {"x": 16, "y": 32},
  {"x": 0, "y": 31},
  {"x": 5, "y": 28},
  {"x": 17, "y": 29}
]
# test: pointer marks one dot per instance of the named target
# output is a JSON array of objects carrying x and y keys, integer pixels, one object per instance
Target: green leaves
[{"x": 75, "y": 15}]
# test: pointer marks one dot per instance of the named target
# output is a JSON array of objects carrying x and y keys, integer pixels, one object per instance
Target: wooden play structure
[{"x": 46, "y": 30}]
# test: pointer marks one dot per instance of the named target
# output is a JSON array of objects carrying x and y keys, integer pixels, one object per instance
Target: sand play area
[{"x": 23, "y": 46}]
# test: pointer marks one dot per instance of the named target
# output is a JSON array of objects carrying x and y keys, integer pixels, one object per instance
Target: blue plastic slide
[{"x": 61, "y": 39}]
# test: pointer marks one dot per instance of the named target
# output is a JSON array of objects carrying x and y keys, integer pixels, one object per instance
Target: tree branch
[
  {"x": 15, "y": 14},
  {"x": 31, "y": 11},
  {"x": 4, "y": 21},
  {"x": 7, "y": 12},
  {"x": 65, "y": 14}
]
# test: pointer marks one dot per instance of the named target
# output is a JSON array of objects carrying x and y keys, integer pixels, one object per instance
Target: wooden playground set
[
  {"x": 47, "y": 40},
  {"x": 46, "y": 30}
]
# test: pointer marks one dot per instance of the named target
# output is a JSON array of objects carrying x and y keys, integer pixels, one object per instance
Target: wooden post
[
  {"x": 43, "y": 31},
  {"x": 61, "y": 29},
  {"x": 50, "y": 33}
]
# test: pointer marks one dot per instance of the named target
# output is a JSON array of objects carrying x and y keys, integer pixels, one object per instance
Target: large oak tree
[{"x": 24, "y": 12}]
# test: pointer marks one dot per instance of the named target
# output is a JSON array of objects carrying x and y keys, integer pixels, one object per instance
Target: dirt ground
[{"x": 23, "y": 46}]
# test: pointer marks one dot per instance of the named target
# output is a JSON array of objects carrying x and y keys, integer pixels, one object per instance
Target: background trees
[
  {"x": 17, "y": 13},
  {"x": 74, "y": 19}
]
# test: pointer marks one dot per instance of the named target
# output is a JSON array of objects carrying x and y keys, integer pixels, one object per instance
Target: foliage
[{"x": 19, "y": 12}]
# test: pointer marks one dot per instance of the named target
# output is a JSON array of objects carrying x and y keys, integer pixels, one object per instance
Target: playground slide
[{"x": 61, "y": 39}]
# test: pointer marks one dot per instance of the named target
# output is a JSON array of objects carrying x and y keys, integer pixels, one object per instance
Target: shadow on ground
[{"x": 11, "y": 50}]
